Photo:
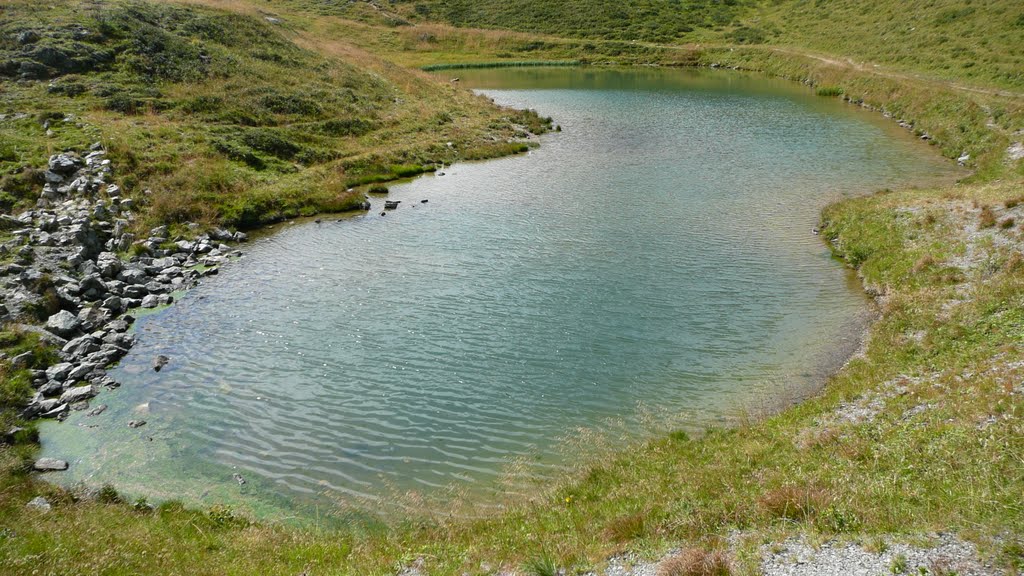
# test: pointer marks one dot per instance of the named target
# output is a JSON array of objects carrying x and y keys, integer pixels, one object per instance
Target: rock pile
[{"x": 68, "y": 256}]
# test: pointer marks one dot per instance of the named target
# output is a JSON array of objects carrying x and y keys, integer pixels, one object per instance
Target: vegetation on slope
[
  {"x": 921, "y": 433},
  {"x": 977, "y": 41},
  {"x": 645, "y": 20},
  {"x": 222, "y": 116}
]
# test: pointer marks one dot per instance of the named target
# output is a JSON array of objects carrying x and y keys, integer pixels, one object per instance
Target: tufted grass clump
[
  {"x": 696, "y": 562},
  {"x": 829, "y": 91}
]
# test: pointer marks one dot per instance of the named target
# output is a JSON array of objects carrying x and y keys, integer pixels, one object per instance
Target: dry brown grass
[
  {"x": 987, "y": 218},
  {"x": 627, "y": 527},
  {"x": 794, "y": 502},
  {"x": 696, "y": 562},
  {"x": 923, "y": 263}
]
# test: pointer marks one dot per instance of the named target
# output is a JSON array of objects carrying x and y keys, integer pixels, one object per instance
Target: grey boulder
[
  {"x": 49, "y": 465},
  {"x": 63, "y": 323}
]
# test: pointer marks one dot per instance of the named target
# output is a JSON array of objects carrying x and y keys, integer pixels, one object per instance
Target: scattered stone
[
  {"x": 39, "y": 503},
  {"x": 136, "y": 423},
  {"x": 22, "y": 360},
  {"x": 1015, "y": 151},
  {"x": 97, "y": 410},
  {"x": 949, "y": 555},
  {"x": 64, "y": 164},
  {"x": 49, "y": 465},
  {"x": 72, "y": 240},
  {"x": 59, "y": 372},
  {"x": 238, "y": 478},
  {"x": 26, "y": 37},
  {"x": 63, "y": 323},
  {"x": 78, "y": 393}
]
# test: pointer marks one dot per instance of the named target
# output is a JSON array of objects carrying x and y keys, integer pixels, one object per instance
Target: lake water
[{"x": 652, "y": 265}]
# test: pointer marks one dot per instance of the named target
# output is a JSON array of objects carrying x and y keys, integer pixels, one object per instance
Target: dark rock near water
[
  {"x": 77, "y": 394},
  {"x": 65, "y": 253},
  {"x": 159, "y": 362}
]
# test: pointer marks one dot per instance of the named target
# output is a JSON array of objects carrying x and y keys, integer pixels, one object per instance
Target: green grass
[
  {"x": 280, "y": 118},
  {"x": 829, "y": 91},
  {"x": 499, "y": 64},
  {"x": 973, "y": 41},
  {"x": 223, "y": 116}
]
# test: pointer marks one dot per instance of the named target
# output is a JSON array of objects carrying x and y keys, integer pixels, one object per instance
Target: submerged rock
[{"x": 159, "y": 362}]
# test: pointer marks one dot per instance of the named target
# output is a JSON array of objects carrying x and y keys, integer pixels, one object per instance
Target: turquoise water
[{"x": 650, "y": 266}]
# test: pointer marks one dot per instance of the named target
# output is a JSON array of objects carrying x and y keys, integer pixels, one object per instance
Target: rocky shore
[{"x": 73, "y": 271}]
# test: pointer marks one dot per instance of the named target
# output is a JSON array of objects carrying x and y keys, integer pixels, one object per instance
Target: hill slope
[
  {"x": 979, "y": 41},
  {"x": 223, "y": 116}
]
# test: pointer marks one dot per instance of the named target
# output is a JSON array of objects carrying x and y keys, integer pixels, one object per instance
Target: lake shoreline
[{"x": 809, "y": 386}]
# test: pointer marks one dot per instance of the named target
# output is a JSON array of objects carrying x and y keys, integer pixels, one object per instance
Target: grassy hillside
[
  {"x": 979, "y": 42},
  {"x": 222, "y": 116},
  {"x": 976, "y": 41},
  {"x": 644, "y": 20}
]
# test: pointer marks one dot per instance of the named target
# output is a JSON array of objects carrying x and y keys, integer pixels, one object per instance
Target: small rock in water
[
  {"x": 98, "y": 410},
  {"x": 424, "y": 201},
  {"x": 136, "y": 423},
  {"x": 49, "y": 465},
  {"x": 160, "y": 361},
  {"x": 318, "y": 221},
  {"x": 238, "y": 478},
  {"x": 39, "y": 503}
]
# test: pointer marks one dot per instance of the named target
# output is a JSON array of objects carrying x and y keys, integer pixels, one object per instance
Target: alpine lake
[{"x": 652, "y": 266}]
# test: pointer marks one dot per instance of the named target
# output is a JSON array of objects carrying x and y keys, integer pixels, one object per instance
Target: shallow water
[{"x": 656, "y": 256}]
